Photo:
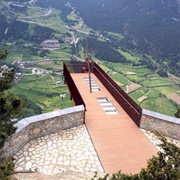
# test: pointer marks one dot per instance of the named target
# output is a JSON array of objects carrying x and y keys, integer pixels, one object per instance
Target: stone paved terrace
[
  {"x": 64, "y": 174},
  {"x": 120, "y": 144},
  {"x": 60, "y": 153}
]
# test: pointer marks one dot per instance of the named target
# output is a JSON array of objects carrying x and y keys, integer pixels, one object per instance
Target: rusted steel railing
[
  {"x": 77, "y": 67},
  {"x": 75, "y": 95},
  {"x": 131, "y": 108}
]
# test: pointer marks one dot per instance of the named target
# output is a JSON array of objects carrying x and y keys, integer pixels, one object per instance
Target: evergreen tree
[
  {"x": 10, "y": 107},
  {"x": 3, "y": 53},
  {"x": 177, "y": 114}
]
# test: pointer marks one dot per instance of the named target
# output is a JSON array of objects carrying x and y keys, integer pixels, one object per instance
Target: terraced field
[
  {"x": 43, "y": 91},
  {"x": 153, "y": 92}
]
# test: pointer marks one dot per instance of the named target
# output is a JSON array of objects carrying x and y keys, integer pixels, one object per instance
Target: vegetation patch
[
  {"x": 167, "y": 90},
  {"x": 42, "y": 91},
  {"x": 129, "y": 57},
  {"x": 136, "y": 94},
  {"x": 105, "y": 68},
  {"x": 159, "y": 104},
  {"x": 120, "y": 78},
  {"x": 135, "y": 78},
  {"x": 157, "y": 82}
]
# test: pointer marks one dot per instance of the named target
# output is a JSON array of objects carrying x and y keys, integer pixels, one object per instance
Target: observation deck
[{"x": 112, "y": 119}]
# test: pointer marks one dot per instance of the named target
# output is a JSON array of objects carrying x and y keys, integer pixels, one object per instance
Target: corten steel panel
[
  {"x": 72, "y": 87},
  {"x": 133, "y": 110},
  {"x": 120, "y": 144}
]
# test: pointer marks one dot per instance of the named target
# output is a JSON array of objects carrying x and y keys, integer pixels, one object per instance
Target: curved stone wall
[
  {"x": 44, "y": 124},
  {"x": 167, "y": 125}
]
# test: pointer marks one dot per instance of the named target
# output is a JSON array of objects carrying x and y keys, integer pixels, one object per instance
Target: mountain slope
[{"x": 148, "y": 25}]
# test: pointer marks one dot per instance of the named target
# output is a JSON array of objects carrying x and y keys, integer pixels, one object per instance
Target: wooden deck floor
[{"x": 120, "y": 144}]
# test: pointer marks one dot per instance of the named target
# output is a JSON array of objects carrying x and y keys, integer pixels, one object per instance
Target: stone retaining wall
[
  {"x": 44, "y": 124},
  {"x": 167, "y": 125}
]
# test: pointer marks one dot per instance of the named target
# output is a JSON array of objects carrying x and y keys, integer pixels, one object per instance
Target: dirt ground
[
  {"x": 114, "y": 72},
  {"x": 174, "y": 97},
  {"x": 142, "y": 98},
  {"x": 45, "y": 62},
  {"x": 118, "y": 83},
  {"x": 133, "y": 86},
  {"x": 130, "y": 73}
]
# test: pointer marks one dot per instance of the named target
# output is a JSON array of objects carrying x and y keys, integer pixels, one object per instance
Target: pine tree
[
  {"x": 177, "y": 114},
  {"x": 3, "y": 53},
  {"x": 166, "y": 166},
  {"x": 10, "y": 107}
]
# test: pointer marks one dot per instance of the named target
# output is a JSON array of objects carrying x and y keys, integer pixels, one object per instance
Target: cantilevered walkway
[{"x": 119, "y": 142}]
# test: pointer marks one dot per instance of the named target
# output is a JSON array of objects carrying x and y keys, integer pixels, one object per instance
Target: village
[{"x": 49, "y": 44}]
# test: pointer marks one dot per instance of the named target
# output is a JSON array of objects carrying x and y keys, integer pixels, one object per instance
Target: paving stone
[
  {"x": 28, "y": 165},
  {"x": 54, "y": 161},
  {"x": 55, "y": 155},
  {"x": 21, "y": 159},
  {"x": 31, "y": 149},
  {"x": 49, "y": 144},
  {"x": 59, "y": 152},
  {"x": 19, "y": 168}
]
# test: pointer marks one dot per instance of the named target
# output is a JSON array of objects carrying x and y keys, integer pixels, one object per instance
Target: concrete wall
[
  {"x": 167, "y": 125},
  {"x": 44, "y": 124}
]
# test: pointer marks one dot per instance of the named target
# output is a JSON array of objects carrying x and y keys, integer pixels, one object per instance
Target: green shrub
[{"x": 6, "y": 167}]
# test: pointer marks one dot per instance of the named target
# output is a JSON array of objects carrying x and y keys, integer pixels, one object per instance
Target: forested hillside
[
  {"x": 153, "y": 27},
  {"x": 147, "y": 25}
]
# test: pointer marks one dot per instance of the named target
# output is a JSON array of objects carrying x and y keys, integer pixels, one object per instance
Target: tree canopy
[
  {"x": 10, "y": 107},
  {"x": 177, "y": 114}
]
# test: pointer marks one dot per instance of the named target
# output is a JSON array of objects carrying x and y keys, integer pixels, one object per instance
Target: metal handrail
[
  {"x": 78, "y": 100},
  {"x": 131, "y": 108}
]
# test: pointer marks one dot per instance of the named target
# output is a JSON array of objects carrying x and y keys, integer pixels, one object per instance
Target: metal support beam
[{"x": 88, "y": 63}]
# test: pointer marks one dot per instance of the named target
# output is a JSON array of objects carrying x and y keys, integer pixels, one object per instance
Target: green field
[
  {"x": 167, "y": 89},
  {"x": 153, "y": 86},
  {"x": 157, "y": 82},
  {"x": 106, "y": 69},
  {"x": 137, "y": 94},
  {"x": 128, "y": 56},
  {"x": 58, "y": 54},
  {"x": 43, "y": 91},
  {"x": 115, "y": 35},
  {"x": 159, "y": 104},
  {"x": 120, "y": 78},
  {"x": 135, "y": 78},
  {"x": 53, "y": 20},
  {"x": 72, "y": 17},
  {"x": 54, "y": 65},
  {"x": 123, "y": 68}
]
